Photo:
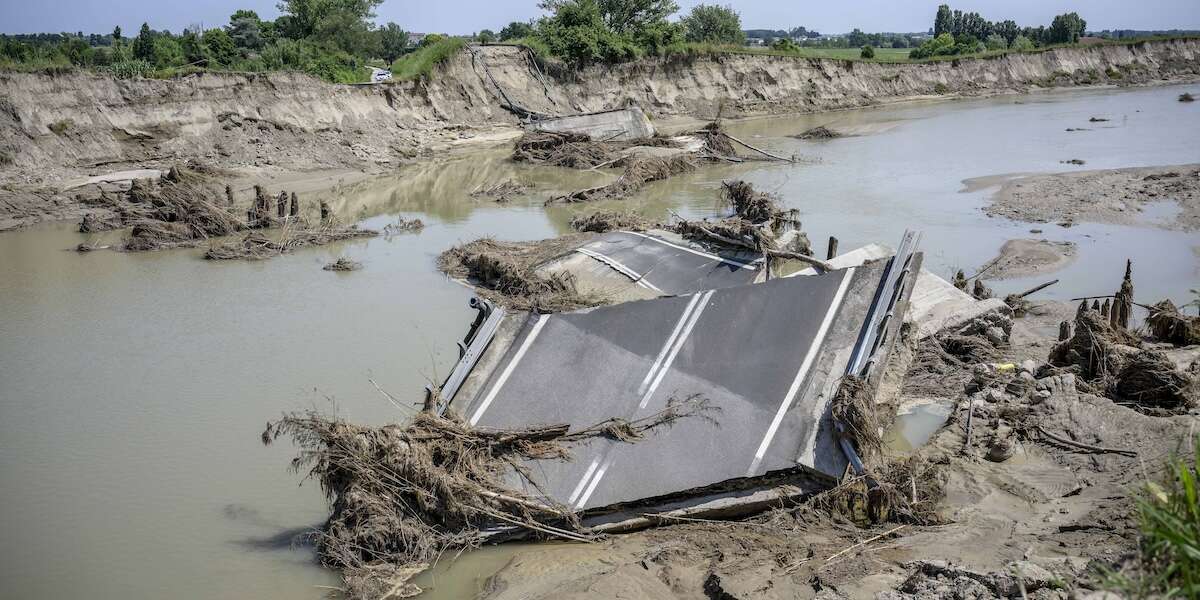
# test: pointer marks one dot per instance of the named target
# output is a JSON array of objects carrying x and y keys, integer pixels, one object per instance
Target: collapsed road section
[{"x": 766, "y": 357}]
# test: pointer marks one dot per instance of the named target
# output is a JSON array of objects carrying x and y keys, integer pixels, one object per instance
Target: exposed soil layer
[
  {"x": 59, "y": 127},
  {"x": 1021, "y": 258},
  {"x": 1107, "y": 196}
]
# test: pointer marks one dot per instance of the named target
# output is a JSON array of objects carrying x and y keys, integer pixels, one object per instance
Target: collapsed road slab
[
  {"x": 767, "y": 355},
  {"x": 627, "y": 265},
  {"x": 621, "y": 125}
]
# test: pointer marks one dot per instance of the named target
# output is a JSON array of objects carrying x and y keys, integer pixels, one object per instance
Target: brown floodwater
[{"x": 134, "y": 387}]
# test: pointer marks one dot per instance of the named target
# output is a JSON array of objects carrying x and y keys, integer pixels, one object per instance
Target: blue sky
[{"x": 468, "y": 16}]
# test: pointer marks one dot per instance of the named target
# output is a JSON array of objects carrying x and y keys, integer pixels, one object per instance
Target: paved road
[{"x": 761, "y": 353}]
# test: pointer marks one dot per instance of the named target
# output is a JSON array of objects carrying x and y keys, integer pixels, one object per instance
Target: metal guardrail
[
  {"x": 895, "y": 282},
  {"x": 483, "y": 329}
]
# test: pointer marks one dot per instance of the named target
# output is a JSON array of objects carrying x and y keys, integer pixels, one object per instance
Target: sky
[{"x": 469, "y": 16}]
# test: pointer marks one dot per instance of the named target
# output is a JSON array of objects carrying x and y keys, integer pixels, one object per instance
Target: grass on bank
[
  {"x": 420, "y": 62},
  {"x": 1169, "y": 516}
]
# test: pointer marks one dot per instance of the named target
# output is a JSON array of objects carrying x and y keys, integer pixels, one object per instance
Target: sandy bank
[
  {"x": 1024, "y": 257},
  {"x": 55, "y": 128},
  {"x": 1119, "y": 196}
]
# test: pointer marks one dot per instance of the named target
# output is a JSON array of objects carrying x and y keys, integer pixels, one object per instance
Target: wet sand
[
  {"x": 1025, "y": 257},
  {"x": 1117, "y": 196}
]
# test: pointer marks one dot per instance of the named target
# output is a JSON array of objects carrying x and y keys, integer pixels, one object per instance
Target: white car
[{"x": 380, "y": 75}]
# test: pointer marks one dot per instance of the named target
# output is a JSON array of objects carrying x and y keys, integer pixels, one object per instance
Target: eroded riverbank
[{"x": 270, "y": 333}]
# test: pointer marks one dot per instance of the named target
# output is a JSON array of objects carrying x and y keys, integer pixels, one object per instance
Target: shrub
[
  {"x": 940, "y": 88},
  {"x": 714, "y": 24},
  {"x": 127, "y": 69},
  {"x": 785, "y": 45},
  {"x": 1022, "y": 44},
  {"x": 995, "y": 42},
  {"x": 1169, "y": 516},
  {"x": 61, "y": 127},
  {"x": 867, "y": 52}
]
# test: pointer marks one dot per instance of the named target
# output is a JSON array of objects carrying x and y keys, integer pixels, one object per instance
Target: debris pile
[
  {"x": 1168, "y": 324},
  {"x": 638, "y": 172},
  {"x": 506, "y": 272},
  {"x": 343, "y": 264},
  {"x": 605, "y": 221},
  {"x": 501, "y": 192},
  {"x": 403, "y": 225},
  {"x": 402, "y": 495},
  {"x": 758, "y": 224},
  {"x": 258, "y": 246},
  {"x": 819, "y": 132},
  {"x": 182, "y": 211},
  {"x": 575, "y": 150}
]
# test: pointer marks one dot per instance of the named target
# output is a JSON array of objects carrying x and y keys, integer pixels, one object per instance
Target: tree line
[{"x": 956, "y": 32}]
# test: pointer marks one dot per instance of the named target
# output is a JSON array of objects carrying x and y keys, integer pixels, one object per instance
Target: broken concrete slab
[
  {"x": 629, "y": 265},
  {"x": 767, "y": 355},
  {"x": 935, "y": 303},
  {"x": 114, "y": 177},
  {"x": 621, "y": 125}
]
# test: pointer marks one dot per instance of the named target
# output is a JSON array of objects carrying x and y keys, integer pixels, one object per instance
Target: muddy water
[{"x": 133, "y": 388}]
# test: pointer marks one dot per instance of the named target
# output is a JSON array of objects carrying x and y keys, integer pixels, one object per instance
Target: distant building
[{"x": 414, "y": 39}]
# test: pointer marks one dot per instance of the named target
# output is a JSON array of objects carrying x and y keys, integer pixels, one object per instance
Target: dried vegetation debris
[
  {"x": 343, "y": 264},
  {"x": 819, "y": 132},
  {"x": 402, "y": 495},
  {"x": 257, "y": 245},
  {"x": 501, "y": 192},
  {"x": 604, "y": 221},
  {"x": 639, "y": 171},
  {"x": 507, "y": 273}
]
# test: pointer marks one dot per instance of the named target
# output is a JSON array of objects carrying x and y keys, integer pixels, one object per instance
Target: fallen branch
[
  {"x": 804, "y": 258},
  {"x": 1037, "y": 288},
  {"x": 867, "y": 541},
  {"x": 1088, "y": 447},
  {"x": 758, "y": 150}
]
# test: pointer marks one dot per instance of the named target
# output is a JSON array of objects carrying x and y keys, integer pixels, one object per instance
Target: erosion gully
[{"x": 134, "y": 387}]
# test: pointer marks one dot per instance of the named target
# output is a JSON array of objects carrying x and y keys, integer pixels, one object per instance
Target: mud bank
[
  {"x": 1024, "y": 257},
  {"x": 56, "y": 127},
  {"x": 1120, "y": 196}
]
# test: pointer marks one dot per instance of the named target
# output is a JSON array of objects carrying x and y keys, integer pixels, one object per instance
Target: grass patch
[
  {"x": 420, "y": 63},
  {"x": 5, "y": 159},
  {"x": 1169, "y": 514},
  {"x": 61, "y": 127}
]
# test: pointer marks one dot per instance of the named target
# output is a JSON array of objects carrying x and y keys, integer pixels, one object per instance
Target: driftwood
[
  {"x": 758, "y": 150},
  {"x": 1082, "y": 446}
]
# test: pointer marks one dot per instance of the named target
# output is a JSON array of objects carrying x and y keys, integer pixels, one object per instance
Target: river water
[{"x": 133, "y": 388}]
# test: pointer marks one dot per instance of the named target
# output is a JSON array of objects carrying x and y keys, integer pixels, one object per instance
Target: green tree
[
  {"x": 941, "y": 22},
  {"x": 116, "y": 34},
  {"x": 995, "y": 42},
  {"x": 1007, "y": 30},
  {"x": 167, "y": 52},
  {"x": 867, "y": 52},
  {"x": 486, "y": 36},
  {"x": 392, "y": 41},
  {"x": 143, "y": 44},
  {"x": 632, "y": 16},
  {"x": 193, "y": 50},
  {"x": 305, "y": 17},
  {"x": 577, "y": 32},
  {"x": 1021, "y": 43},
  {"x": 714, "y": 24},
  {"x": 245, "y": 28},
  {"x": 516, "y": 30},
  {"x": 220, "y": 47},
  {"x": 77, "y": 51},
  {"x": 1066, "y": 29}
]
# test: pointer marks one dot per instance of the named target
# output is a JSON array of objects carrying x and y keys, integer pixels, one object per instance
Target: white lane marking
[
  {"x": 667, "y": 344},
  {"x": 592, "y": 487},
  {"x": 805, "y": 365},
  {"x": 737, "y": 263},
  {"x": 512, "y": 364},
  {"x": 583, "y": 481},
  {"x": 670, "y": 343},
  {"x": 675, "y": 349},
  {"x": 617, "y": 265}
]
